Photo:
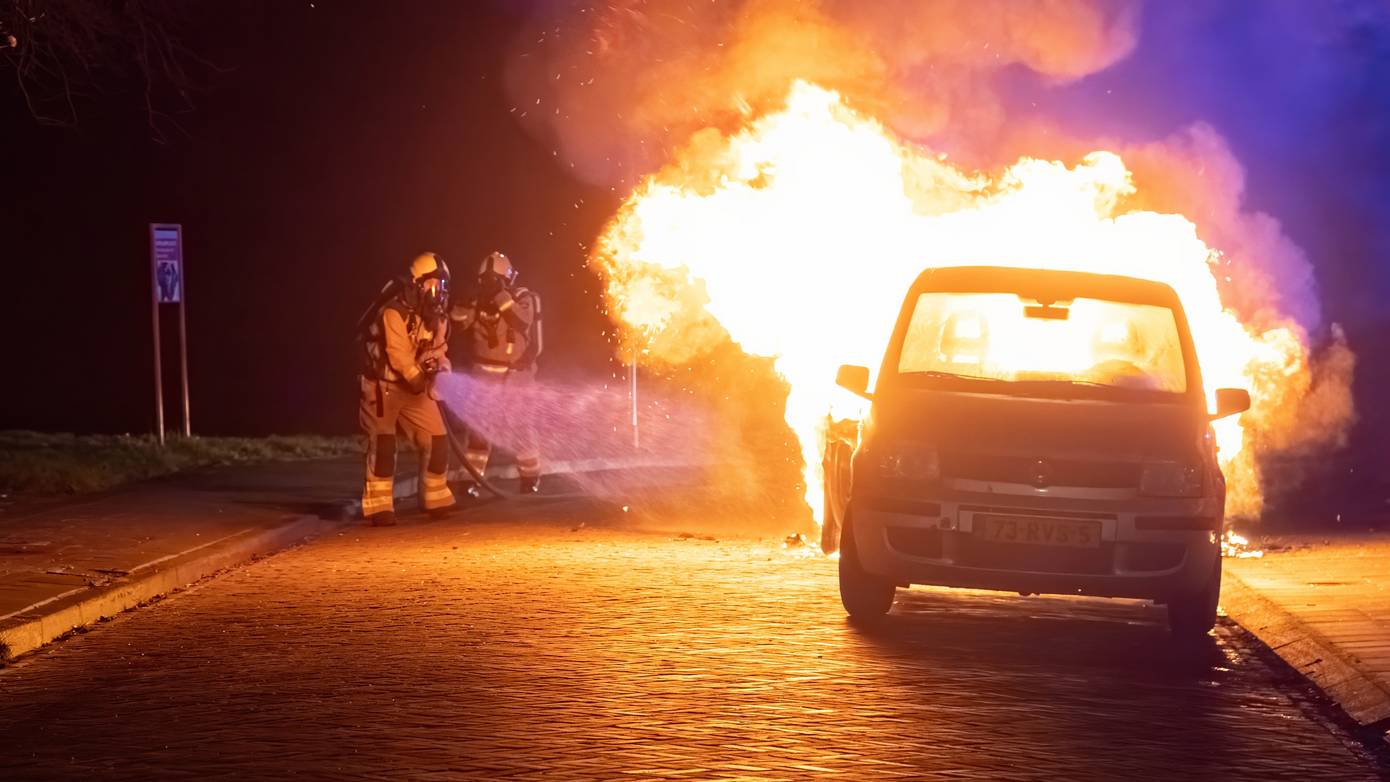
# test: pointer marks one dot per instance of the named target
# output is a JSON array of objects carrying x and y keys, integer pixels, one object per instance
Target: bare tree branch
[{"x": 60, "y": 49}]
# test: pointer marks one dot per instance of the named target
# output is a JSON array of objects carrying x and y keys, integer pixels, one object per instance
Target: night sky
[
  {"x": 1301, "y": 91},
  {"x": 336, "y": 141},
  {"x": 340, "y": 141}
]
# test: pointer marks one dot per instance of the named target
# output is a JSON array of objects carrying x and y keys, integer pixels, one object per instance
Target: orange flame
[{"x": 798, "y": 235}]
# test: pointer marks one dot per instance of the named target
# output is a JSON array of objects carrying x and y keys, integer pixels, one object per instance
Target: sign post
[
  {"x": 632, "y": 373},
  {"x": 166, "y": 265}
]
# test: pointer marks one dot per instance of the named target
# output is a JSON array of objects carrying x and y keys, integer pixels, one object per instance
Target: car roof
[{"x": 1046, "y": 284}]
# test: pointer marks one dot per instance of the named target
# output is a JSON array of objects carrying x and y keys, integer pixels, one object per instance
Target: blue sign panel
[{"x": 166, "y": 249}]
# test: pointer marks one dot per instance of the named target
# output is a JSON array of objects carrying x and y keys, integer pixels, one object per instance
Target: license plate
[{"x": 1038, "y": 531}]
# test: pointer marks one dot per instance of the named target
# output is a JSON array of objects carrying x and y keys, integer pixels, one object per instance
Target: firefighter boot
[
  {"x": 530, "y": 484},
  {"x": 385, "y": 518}
]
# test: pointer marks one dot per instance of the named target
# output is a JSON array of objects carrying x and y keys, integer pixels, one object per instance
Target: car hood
[{"x": 1078, "y": 429}]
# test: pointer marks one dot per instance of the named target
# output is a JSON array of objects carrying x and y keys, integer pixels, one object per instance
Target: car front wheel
[
  {"x": 1193, "y": 616},
  {"x": 865, "y": 595}
]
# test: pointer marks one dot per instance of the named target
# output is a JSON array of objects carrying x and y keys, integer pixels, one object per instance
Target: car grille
[
  {"x": 928, "y": 543},
  {"x": 1035, "y": 559},
  {"x": 1033, "y": 471}
]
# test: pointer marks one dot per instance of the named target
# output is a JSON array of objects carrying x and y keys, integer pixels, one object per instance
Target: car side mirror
[
  {"x": 1230, "y": 401},
  {"x": 854, "y": 380}
]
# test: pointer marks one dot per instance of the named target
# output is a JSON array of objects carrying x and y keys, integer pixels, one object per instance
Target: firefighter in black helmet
[{"x": 404, "y": 338}]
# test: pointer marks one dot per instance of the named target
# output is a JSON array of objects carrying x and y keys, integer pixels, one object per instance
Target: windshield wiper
[
  {"x": 937, "y": 374},
  {"x": 1058, "y": 389},
  {"x": 1053, "y": 387},
  {"x": 1086, "y": 383}
]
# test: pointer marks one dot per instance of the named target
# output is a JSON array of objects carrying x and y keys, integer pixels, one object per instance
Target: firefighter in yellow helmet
[
  {"x": 501, "y": 328},
  {"x": 404, "y": 339}
]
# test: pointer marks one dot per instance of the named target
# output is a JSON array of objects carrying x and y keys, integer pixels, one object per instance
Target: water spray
[{"x": 584, "y": 425}]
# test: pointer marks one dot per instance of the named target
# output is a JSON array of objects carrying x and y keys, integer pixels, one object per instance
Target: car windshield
[{"x": 1005, "y": 337}]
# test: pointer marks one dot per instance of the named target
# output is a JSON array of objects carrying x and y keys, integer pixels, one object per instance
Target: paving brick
[{"x": 521, "y": 649}]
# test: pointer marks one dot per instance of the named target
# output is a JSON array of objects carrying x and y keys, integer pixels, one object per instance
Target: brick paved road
[{"x": 484, "y": 649}]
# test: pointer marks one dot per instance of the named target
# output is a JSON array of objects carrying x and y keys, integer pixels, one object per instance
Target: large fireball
[{"x": 798, "y": 235}]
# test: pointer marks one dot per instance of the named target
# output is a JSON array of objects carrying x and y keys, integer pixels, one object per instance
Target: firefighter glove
[{"x": 419, "y": 383}]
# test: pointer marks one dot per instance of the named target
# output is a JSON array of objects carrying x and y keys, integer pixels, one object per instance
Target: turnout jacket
[
  {"x": 503, "y": 332},
  {"x": 398, "y": 342}
]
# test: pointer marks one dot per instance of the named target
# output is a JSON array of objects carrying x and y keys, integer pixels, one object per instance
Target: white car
[{"x": 1037, "y": 432}]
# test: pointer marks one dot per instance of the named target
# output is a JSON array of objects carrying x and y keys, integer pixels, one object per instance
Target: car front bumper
[{"x": 1150, "y": 549}]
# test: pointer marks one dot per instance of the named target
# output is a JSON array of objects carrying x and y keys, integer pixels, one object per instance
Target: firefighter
[
  {"x": 404, "y": 338},
  {"x": 501, "y": 331}
]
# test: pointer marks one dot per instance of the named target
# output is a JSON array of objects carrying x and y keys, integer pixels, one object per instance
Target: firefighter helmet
[
  {"x": 429, "y": 278},
  {"x": 499, "y": 265}
]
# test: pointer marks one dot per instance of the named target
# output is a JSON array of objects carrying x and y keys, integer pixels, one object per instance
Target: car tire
[
  {"x": 1194, "y": 615},
  {"x": 865, "y": 596}
]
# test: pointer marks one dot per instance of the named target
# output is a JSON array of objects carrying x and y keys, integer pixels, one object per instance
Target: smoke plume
[{"x": 617, "y": 86}]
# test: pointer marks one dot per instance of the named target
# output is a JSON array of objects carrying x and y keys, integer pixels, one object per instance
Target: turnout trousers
[
  {"x": 387, "y": 409},
  {"x": 528, "y": 454}
]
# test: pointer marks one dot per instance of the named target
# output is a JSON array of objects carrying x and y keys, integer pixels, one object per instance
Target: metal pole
[
  {"x": 158, "y": 370},
  {"x": 632, "y": 372},
  {"x": 183, "y": 335}
]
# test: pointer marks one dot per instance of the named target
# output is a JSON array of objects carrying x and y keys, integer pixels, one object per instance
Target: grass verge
[{"x": 43, "y": 463}]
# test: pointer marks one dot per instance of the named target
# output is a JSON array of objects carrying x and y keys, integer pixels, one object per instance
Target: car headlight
[
  {"x": 1171, "y": 479},
  {"x": 913, "y": 462}
]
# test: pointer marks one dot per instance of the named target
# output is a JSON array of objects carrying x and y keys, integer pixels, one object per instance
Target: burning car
[{"x": 1035, "y": 431}]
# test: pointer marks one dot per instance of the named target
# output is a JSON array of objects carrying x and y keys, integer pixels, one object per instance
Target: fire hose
[{"x": 456, "y": 444}]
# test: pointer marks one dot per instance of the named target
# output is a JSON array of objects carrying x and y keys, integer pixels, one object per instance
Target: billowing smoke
[
  {"x": 618, "y": 85},
  {"x": 623, "y": 88}
]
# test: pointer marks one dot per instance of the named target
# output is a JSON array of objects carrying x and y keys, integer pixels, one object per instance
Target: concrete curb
[
  {"x": 1338, "y": 675},
  {"x": 33, "y": 627}
]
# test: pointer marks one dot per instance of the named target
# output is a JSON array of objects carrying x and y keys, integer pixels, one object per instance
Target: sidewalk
[
  {"x": 1322, "y": 603},
  {"x": 69, "y": 563}
]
